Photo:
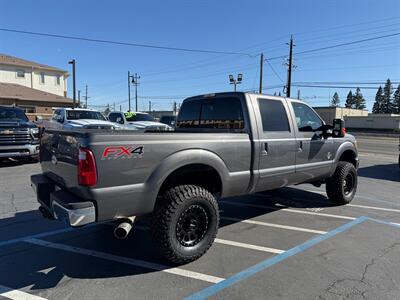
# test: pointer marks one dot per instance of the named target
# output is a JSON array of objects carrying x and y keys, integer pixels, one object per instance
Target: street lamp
[
  {"x": 234, "y": 81},
  {"x": 72, "y": 62}
]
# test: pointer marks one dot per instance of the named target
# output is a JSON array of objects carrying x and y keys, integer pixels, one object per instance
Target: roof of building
[
  {"x": 15, "y": 61},
  {"x": 19, "y": 92}
]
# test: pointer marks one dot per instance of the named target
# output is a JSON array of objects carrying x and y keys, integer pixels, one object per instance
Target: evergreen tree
[
  {"x": 335, "y": 100},
  {"x": 387, "y": 98},
  {"x": 358, "y": 99},
  {"x": 349, "y": 100},
  {"x": 396, "y": 101},
  {"x": 377, "y": 108}
]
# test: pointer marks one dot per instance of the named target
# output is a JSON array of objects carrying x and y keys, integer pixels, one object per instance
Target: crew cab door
[
  {"x": 276, "y": 144},
  {"x": 314, "y": 155}
]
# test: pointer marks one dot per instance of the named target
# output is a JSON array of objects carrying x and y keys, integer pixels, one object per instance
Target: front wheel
[
  {"x": 341, "y": 187},
  {"x": 185, "y": 223}
]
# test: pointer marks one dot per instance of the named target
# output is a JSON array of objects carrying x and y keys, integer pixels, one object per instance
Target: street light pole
[
  {"x": 72, "y": 62},
  {"x": 234, "y": 81},
  {"x": 129, "y": 91}
]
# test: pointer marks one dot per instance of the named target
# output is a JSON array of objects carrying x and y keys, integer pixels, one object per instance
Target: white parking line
[
  {"x": 274, "y": 225},
  {"x": 287, "y": 209},
  {"x": 233, "y": 243},
  {"x": 374, "y": 207},
  {"x": 128, "y": 261},
  {"x": 17, "y": 294},
  {"x": 249, "y": 246}
]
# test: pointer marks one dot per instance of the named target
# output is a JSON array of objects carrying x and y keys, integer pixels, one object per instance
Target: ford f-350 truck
[{"x": 224, "y": 144}]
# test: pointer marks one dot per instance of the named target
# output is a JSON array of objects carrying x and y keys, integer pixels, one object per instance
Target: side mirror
[
  {"x": 325, "y": 131},
  {"x": 339, "y": 129},
  {"x": 60, "y": 119}
]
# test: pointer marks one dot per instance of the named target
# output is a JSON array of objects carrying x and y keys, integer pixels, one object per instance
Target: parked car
[
  {"x": 224, "y": 145},
  {"x": 137, "y": 120},
  {"x": 69, "y": 118},
  {"x": 18, "y": 136},
  {"x": 169, "y": 120}
]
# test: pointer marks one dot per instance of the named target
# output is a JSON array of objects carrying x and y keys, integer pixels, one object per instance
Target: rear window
[
  {"x": 273, "y": 114},
  {"x": 217, "y": 113},
  {"x": 84, "y": 114}
]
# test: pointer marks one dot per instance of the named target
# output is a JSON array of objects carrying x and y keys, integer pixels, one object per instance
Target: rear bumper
[
  {"x": 62, "y": 205},
  {"x": 19, "y": 150}
]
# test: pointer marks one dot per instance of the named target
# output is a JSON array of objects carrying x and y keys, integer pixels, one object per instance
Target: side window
[
  {"x": 306, "y": 118},
  {"x": 225, "y": 113},
  {"x": 112, "y": 117},
  {"x": 273, "y": 114},
  {"x": 56, "y": 114},
  {"x": 216, "y": 113}
]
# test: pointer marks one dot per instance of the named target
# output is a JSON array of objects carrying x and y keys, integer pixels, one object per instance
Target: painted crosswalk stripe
[
  {"x": 17, "y": 294},
  {"x": 248, "y": 246},
  {"x": 249, "y": 221},
  {"x": 128, "y": 261},
  {"x": 235, "y": 203}
]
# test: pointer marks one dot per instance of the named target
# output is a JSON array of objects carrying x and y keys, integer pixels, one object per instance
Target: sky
[{"x": 245, "y": 27}]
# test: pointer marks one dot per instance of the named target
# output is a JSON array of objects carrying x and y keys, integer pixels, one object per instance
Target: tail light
[
  {"x": 343, "y": 131},
  {"x": 87, "y": 173}
]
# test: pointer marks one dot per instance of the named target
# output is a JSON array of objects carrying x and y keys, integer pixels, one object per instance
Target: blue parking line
[
  {"x": 207, "y": 292},
  {"x": 385, "y": 222}
]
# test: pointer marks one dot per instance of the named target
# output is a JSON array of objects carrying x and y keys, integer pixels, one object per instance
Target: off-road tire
[
  {"x": 335, "y": 187},
  {"x": 170, "y": 208}
]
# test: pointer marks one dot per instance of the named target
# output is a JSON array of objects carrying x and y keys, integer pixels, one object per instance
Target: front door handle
[
  {"x": 300, "y": 148},
  {"x": 265, "y": 150}
]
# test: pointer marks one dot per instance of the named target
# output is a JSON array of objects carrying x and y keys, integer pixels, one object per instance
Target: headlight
[{"x": 34, "y": 130}]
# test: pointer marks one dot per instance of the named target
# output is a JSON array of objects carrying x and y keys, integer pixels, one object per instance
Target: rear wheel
[
  {"x": 341, "y": 187},
  {"x": 185, "y": 223}
]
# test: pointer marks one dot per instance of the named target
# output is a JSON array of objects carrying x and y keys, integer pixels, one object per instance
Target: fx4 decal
[{"x": 114, "y": 152}]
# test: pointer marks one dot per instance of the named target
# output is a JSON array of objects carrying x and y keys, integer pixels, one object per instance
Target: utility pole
[
  {"x": 129, "y": 91},
  {"x": 289, "y": 78},
  {"x": 86, "y": 96},
  {"x": 79, "y": 96},
  {"x": 114, "y": 106},
  {"x": 120, "y": 107},
  {"x": 149, "y": 106},
  {"x": 72, "y": 62},
  {"x": 261, "y": 71},
  {"x": 135, "y": 81},
  {"x": 174, "y": 108}
]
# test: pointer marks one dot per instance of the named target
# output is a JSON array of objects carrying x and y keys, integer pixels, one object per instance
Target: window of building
[
  {"x": 42, "y": 79},
  {"x": 20, "y": 73},
  {"x": 306, "y": 118},
  {"x": 218, "y": 113},
  {"x": 28, "y": 109},
  {"x": 273, "y": 115},
  {"x": 58, "y": 79}
]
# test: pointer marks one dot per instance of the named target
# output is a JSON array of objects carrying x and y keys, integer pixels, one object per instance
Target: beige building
[
  {"x": 374, "y": 121},
  {"x": 33, "y": 75},
  {"x": 35, "y": 87},
  {"x": 328, "y": 113}
]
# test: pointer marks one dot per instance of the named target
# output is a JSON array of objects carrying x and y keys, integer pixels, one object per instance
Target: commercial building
[
  {"x": 328, "y": 113},
  {"x": 374, "y": 121}
]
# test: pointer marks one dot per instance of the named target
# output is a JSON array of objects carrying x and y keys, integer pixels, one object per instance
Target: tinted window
[
  {"x": 306, "y": 118},
  {"x": 273, "y": 114},
  {"x": 7, "y": 114},
  {"x": 113, "y": 117},
  {"x": 84, "y": 114},
  {"x": 218, "y": 113}
]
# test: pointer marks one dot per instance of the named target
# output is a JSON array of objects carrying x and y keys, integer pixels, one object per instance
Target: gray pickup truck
[{"x": 224, "y": 144}]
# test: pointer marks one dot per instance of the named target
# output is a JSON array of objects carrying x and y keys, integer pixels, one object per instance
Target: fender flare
[
  {"x": 341, "y": 149},
  {"x": 181, "y": 159}
]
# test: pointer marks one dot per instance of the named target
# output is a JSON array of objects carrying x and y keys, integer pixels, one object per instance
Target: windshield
[
  {"x": 12, "y": 115},
  {"x": 134, "y": 117},
  {"x": 84, "y": 114}
]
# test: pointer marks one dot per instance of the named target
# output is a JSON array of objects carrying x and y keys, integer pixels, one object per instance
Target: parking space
[{"x": 288, "y": 244}]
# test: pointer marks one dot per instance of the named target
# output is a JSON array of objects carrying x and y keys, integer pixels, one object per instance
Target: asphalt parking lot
[{"x": 287, "y": 244}]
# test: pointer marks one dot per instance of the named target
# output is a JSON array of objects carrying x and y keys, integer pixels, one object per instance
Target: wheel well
[
  {"x": 197, "y": 174},
  {"x": 349, "y": 156}
]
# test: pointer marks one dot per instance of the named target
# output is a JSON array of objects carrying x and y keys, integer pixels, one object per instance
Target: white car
[
  {"x": 68, "y": 118},
  {"x": 137, "y": 120}
]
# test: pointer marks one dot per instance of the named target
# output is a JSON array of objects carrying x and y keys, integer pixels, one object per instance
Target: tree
[
  {"x": 335, "y": 100},
  {"x": 358, "y": 100},
  {"x": 387, "y": 105},
  {"x": 396, "y": 101},
  {"x": 349, "y": 100},
  {"x": 377, "y": 108}
]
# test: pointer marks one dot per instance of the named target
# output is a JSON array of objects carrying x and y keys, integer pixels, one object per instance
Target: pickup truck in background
[
  {"x": 224, "y": 144},
  {"x": 73, "y": 118},
  {"x": 137, "y": 120},
  {"x": 19, "y": 138}
]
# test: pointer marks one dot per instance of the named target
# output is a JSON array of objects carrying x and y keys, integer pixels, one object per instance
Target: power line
[
  {"x": 122, "y": 43},
  {"x": 334, "y": 86},
  {"x": 338, "y": 45},
  {"x": 273, "y": 70}
]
